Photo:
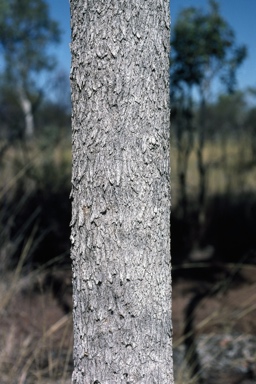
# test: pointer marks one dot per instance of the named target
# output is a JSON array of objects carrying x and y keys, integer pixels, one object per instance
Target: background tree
[
  {"x": 250, "y": 122},
  {"x": 204, "y": 50},
  {"x": 26, "y": 32},
  {"x": 182, "y": 126},
  {"x": 120, "y": 229}
]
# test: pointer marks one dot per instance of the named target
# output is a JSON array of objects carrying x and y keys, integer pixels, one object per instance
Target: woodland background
[{"x": 213, "y": 158}]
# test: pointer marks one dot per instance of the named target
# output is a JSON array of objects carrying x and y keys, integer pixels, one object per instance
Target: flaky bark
[{"x": 120, "y": 229}]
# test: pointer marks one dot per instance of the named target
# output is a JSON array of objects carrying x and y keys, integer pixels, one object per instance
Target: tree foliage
[
  {"x": 203, "y": 47},
  {"x": 26, "y": 32}
]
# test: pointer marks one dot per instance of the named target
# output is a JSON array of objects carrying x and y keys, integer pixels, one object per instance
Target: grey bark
[{"x": 120, "y": 227}]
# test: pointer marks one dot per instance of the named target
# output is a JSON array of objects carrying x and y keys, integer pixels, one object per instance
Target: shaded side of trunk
[{"x": 120, "y": 228}]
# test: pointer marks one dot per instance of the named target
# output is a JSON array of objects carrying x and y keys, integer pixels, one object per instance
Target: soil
[
  {"x": 224, "y": 321},
  {"x": 36, "y": 328}
]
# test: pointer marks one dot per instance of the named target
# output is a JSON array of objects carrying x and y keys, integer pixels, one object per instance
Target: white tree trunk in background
[
  {"x": 120, "y": 228},
  {"x": 26, "y": 107}
]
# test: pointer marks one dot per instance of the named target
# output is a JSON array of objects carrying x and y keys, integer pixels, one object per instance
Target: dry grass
[
  {"x": 36, "y": 336},
  {"x": 230, "y": 170},
  {"x": 34, "y": 165}
]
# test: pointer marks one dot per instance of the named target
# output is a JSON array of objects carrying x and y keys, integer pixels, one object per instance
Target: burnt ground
[{"x": 36, "y": 327}]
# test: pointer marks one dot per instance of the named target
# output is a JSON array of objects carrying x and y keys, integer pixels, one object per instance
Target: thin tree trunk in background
[
  {"x": 26, "y": 107},
  {"x": 120, "y": 228},
  {"x": 185, "y": 146},
  {"x": 202, "y": 169}
]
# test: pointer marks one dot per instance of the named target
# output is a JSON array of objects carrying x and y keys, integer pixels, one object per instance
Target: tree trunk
[
  {"x": 185, "y": 146},
  {"x": 26, "y": 107},
  {"x": 120, "y": 228},
  {"x": 201, "y": 166}
]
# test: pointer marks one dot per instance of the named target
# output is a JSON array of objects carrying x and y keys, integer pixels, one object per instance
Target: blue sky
[{"x": 240, "y": 14}]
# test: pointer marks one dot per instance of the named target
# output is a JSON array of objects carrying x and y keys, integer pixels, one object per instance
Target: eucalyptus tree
[
  {"x": 204, "y": 50},
  {"x": 26, "y": 31},
  {"x": 120, "y": 228}
]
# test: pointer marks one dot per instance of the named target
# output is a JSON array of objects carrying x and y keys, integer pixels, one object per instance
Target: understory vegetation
[
  {"x": 35, "y": 273},
  {"x": 35, "y": 307}
]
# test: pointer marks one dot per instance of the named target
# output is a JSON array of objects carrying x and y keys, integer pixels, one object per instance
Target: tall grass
[
  {"x": 36, "y": 345},
  {"x": 36, "y": 336}
]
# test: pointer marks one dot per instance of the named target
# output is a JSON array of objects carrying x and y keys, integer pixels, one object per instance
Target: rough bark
[{"x": 120, "y": 228}]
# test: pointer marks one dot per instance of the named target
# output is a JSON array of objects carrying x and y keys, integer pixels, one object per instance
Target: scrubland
[{"x": 35, "y": 273}]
